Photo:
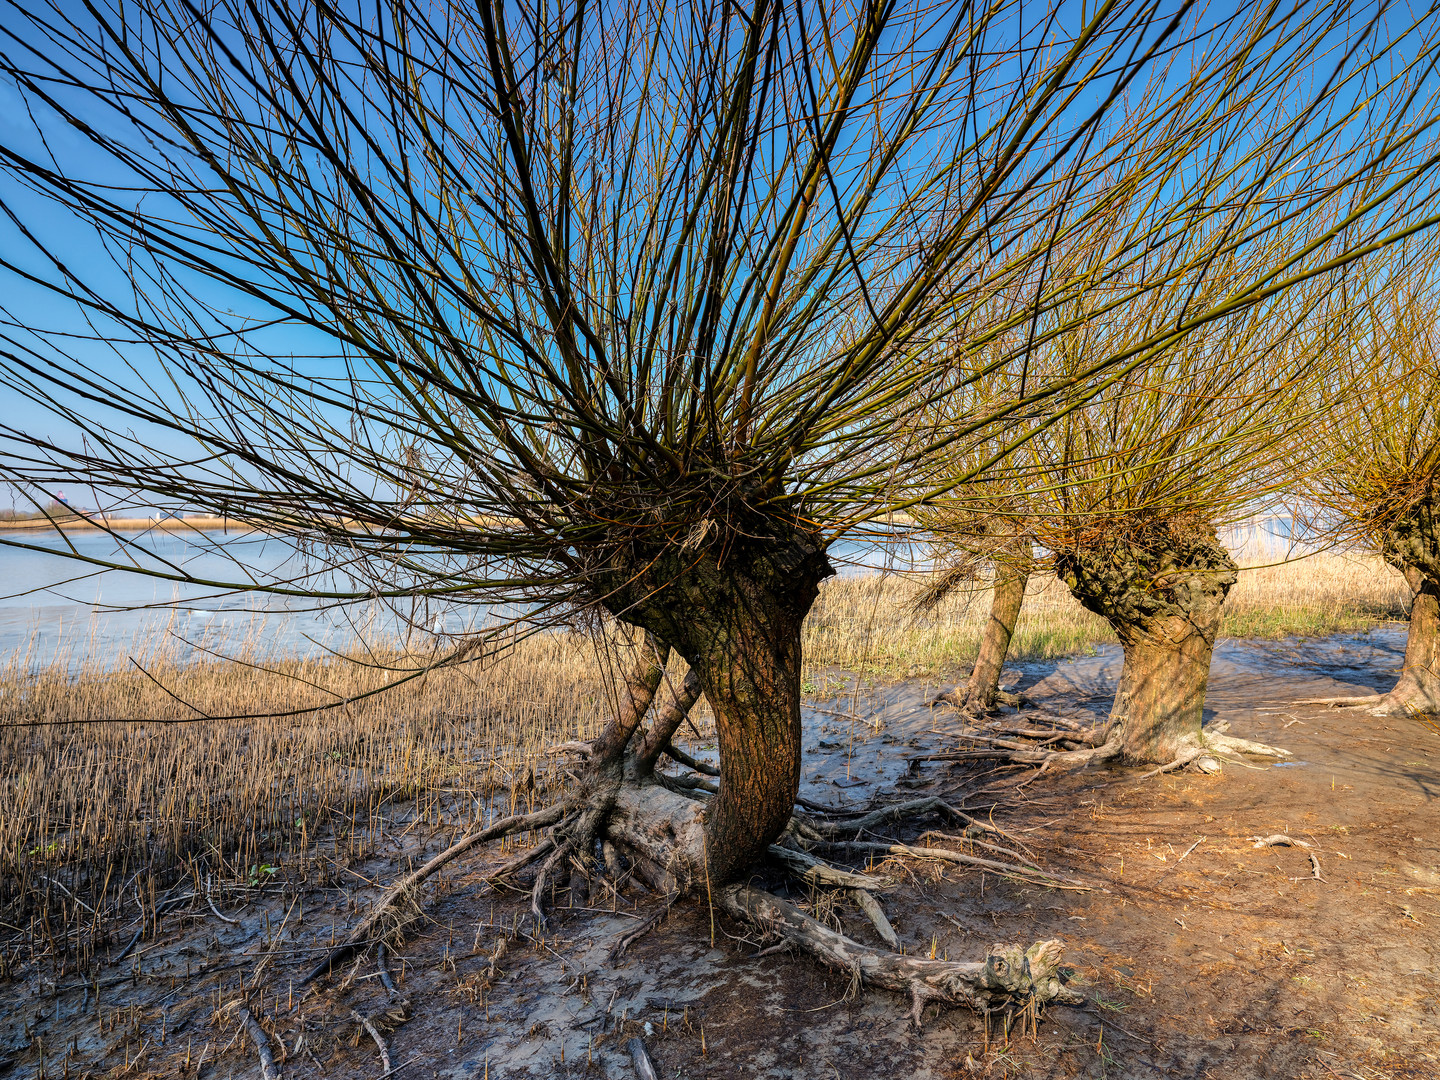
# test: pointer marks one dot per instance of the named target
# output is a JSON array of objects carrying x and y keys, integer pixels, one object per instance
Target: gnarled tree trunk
[
  {"x": 736, "y": 618},
  {"x": 1412, "y": 545},
  {"x": 1418, "y": 689},
  {"x": 735, "y": 615},
  {"x": 1162, "y": 593}
]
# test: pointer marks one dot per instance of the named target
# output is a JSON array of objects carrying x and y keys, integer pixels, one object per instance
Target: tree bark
[
  {"x": 1161, "y": 698},
  {"x": 1006, "y": 599},
  {"x": 641, "y": 684},
  {"x": 1418, "y": 689},
  {"x": 735, "y": 615},
  {"x": 653, "y": 743},
  {"x": 1412, "y": 544},
  {"x": 1162, "y": 593}
]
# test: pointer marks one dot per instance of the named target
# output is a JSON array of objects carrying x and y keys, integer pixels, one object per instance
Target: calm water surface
[{"x": 52, "y": 606}]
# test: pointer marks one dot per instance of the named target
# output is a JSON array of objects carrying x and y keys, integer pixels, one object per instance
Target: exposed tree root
[
  {"x": 815, "y": 872},
  {"x": 1229, "y": 743},
  {"x": 660, "y": 833},
  {"x": 1192, "y": 755},
  {"x": 1080, "y": 747},
  {"x": 654, "y": 919},
  {"x": 623, "y": 819},
  {"x": 1356, "y": 702},
  {"x": 366, "y": 927},
  {"x": 558, "y": 859},
  {"x": 689, "y": 762},
  {"x": 519, "y": 862},
  {"x": 967, "y": 839},
  {"x": 1406, "y": 700},
  {"x": 912, "y": 808},
  {"x": 876, "y": 914},
  {"x": 973, "y": 706},
  {"x": 1008, "y": 974},
  {"x": 1043, "y": 877}
]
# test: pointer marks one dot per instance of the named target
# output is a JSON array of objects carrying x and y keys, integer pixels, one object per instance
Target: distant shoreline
[{"x": 97, "y": 523}]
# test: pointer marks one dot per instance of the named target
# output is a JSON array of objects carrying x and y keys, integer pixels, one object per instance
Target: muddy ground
[{"x": 1201, "y": 955}]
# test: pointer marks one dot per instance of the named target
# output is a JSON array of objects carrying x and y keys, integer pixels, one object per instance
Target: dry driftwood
[
  {"x": 1007, "y": 974},
  {"x": 369, "y": 1025},
  {"x": 644, "y": 1068},
  {"x": 381, "y": 963}
]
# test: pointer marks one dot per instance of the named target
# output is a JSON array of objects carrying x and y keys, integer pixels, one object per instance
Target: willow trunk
[
  {"x": 1412, "y": 544},
  {"x": 1160, "y": 703},
  {"x": 1418, "y": 688},
  {"x": 736, "y": 617},
  {"x": 1162, "y": 594},
  {"x": 1005, "y": 601}
]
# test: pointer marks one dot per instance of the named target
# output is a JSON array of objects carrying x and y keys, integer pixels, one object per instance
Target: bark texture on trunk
[
  {"x": 641, "y": 683},
  {"x": 1007, "y": 596},
  {"x": 1161, "y": 698},
  {"x": 1418, "y": 689},
  {"x": 654, "y": 741},
  {"x": 1162, "y": 593},
  {"x": 735, "y": 615},
  {"x": 1412, "y": 545}
]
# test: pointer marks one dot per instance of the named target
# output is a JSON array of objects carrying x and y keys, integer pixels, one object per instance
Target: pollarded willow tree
[
  {"x": 607, "y": 307},
  {"x": 1131, "y": 491},
  {"x": 1378, "y": 482}
]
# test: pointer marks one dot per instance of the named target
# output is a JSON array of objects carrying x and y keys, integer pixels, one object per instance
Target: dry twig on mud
[
  {"x": 369, "y": 1025},
  {"x": 400, "y": 889},
  {"x": 268, "y": 1069}
]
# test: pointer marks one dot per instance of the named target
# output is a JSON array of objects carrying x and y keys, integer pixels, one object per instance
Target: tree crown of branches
[{"x": 579, "y": 283}]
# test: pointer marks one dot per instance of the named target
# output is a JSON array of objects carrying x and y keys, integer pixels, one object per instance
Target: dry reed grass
[
  {"x": 99, "y": 819},
  {"x": 863, "y": 622}
]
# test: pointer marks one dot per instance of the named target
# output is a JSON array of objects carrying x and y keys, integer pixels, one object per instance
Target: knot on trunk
[
  {"x": 1412, "y": 539},
  {"x": 1138, "y": 581},
  {"x": 679, "y": 594}
]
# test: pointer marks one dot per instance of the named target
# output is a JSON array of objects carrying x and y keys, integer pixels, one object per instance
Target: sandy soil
[{"x": 1202, "y": 955}]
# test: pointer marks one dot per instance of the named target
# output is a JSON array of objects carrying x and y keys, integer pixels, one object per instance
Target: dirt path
[{"x": 1205, "y": 956}]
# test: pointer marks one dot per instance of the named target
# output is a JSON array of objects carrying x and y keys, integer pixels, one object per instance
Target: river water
[
  {"x": 53, "y": 607},
  {"x": 57, "y": 608}
]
